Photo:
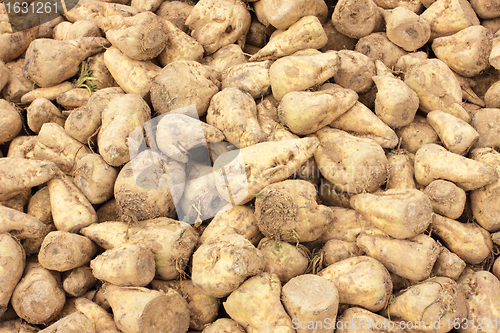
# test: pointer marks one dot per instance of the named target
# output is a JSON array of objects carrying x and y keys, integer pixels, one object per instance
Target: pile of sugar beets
[{"x": 260, "y": 166}]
